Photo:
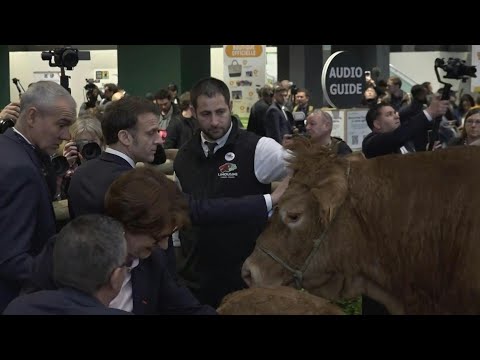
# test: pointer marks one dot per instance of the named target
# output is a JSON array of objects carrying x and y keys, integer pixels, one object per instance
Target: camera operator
[
  {"x": 92, "y": 99},
  {"x": 27, "y": 218},
  {"x": 389, "y": 136}
]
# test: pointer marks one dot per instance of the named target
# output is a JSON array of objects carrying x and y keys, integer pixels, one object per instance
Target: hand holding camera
[
  {"x": 70, "y": 151},
  {"x": 81, "y": 150},
  {"x": 438, "y": 107},
  {"x": 9, "y": 116}
]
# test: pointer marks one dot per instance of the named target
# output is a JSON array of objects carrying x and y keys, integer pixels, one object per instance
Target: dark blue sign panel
[{"x": 343, "y": 80}]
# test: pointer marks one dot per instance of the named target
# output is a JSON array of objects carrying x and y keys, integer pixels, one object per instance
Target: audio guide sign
[{"x": 343, "y": 80}]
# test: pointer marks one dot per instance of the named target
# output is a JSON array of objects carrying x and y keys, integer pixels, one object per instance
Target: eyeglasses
[{"x": 471, "y": 122}]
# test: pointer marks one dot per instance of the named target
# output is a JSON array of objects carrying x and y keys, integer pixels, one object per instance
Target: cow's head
[{"x": 290, "y": 243}]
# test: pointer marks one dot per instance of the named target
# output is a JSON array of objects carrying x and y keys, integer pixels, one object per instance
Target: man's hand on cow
[
  {"x": 282, "y": 186},
  {"x": 438, "y": 107},
  {"x": 11, "y": 111}
]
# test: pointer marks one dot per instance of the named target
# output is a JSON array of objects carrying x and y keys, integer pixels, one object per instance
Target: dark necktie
[{"x": 211, "y": 147}]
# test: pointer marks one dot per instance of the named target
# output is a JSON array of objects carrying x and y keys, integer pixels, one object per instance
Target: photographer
[
  {"x": 85, "y": 131},
  {"x": 92, "y": 99}
]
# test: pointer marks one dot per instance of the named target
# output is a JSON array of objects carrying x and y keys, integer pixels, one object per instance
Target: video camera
[
  {"x": 293, "y": 89},
  {"x": 455, "y": 69},
  {"x": 64, "y": 57},
  {"x": 5, "y": 124},
  {"x": 90, "y": 85},
  {"x": 299, "y": 122}
]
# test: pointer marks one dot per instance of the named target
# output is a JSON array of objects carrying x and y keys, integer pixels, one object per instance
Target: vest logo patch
[
  {"x": 225, "y": 171},
  {"x": 229, "y": 156}
]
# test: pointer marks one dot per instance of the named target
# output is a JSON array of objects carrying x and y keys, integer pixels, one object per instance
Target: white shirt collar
[
  {"x": 122, "y": 155},
  {"x": 19, "y": 133}
]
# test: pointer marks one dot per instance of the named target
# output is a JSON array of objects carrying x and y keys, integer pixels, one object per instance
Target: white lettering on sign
[
  {"x": 345, "y": 89},
  {"x": 346, "y": 72},
  {"x": 243, "y": 50}
]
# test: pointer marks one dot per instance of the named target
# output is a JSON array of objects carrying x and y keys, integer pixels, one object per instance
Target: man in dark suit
[
  {"x": 256, "y": 120},
  {"x": 277, "y": 122},
  {"x": 130, "y": 128},
  {"x": 27, "y": 219},
  {"x": 89, "y": 266},
  {"x": 389, "y": 136},
  {"x": 150, "y": 206}
]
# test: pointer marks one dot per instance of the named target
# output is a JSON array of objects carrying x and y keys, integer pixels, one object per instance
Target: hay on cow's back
[{"x": 276, "y": 301}]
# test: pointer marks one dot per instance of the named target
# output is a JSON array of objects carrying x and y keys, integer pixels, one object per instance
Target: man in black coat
[
  {"x": 222, "y": 160},
  {"x": 27, "y": 219},
  {"x": 389, "y": 136},
  {"x": 256, "y": 120},
  {"x": 277, "y": 122}
]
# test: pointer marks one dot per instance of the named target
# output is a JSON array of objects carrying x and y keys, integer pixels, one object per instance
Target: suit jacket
[
  {"x": 377, "y": 144},
  {"x": 27, "y": 219},
  {"x": 64, "y": 301},
  {"x": 91, "y": 181},
  {"x": 154, "y": 290},
  {"x": 256, "y": 120},
  {"x": 276, "y": 124}
]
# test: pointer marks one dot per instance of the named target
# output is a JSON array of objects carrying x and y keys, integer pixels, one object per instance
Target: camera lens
[{"x": 91, "y": 151}]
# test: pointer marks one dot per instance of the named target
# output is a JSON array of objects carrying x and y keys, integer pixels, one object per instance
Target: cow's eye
[{"x": 292, "y": 217}]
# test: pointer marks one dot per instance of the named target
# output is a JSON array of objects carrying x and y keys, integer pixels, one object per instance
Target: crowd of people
[{"x": 139, "y": 242}]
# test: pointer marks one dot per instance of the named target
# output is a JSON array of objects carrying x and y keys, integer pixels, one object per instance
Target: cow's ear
[
  {"x": 355, "y": 156},
  {"x": 330, "y": 194}
]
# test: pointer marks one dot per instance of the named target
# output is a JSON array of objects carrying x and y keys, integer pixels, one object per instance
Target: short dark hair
[
  {"x": 163, "y": 94},
  {"x": 145, "y": 201},
  {"x": 209, "y": 87},
  {"x": 123, "y": 114},
  {"x": 185, "y": 101},
  {"x": 86, "y": 252},
  {"x": 172, "y": 87},
  {"x": 373, "y": 113}
]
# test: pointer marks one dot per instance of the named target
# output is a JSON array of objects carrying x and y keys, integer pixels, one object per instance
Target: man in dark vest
[{"x": 221, "y": 160}]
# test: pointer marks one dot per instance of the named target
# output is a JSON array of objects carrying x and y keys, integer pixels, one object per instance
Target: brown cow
[
  {"x": 276, "y": 301},
  {"x": 402, "y": 229}
]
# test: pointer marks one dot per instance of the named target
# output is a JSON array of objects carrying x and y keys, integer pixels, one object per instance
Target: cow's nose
[{"x": 246, "y": 274}]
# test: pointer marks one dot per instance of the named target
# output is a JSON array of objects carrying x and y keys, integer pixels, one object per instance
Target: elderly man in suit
[
  {"x": 89, "y": 262},
  {"x": 27, "y": 219}
]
